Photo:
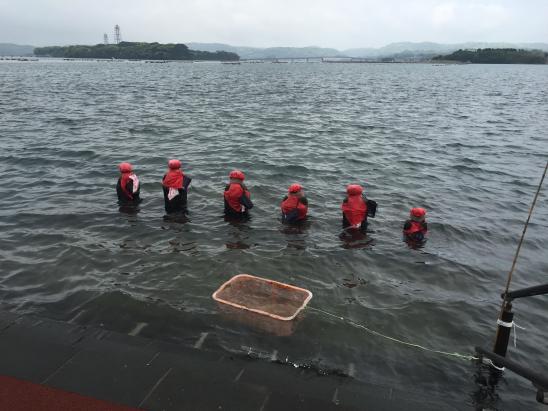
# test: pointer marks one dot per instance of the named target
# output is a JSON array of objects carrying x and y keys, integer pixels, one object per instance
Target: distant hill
[
  {"x": 9, "y": 49},
  {"x": 269, "y": 52},
  {"x": 427, "y": 48},
  {"x": 407, "y": 49},
  {"x": 402, "y": 50},
  {"x": 133, "y": 50},
  {"x": 497, "y": 56}
]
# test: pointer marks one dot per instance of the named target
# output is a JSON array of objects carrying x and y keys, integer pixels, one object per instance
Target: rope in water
[
  {"x": 511, "y": 272},
  {"x": 396, "y": 340}
]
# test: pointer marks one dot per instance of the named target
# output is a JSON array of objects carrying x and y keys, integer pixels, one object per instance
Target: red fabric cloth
[
  {"x": 173, "y": 179},
  {"x": 295, "y": 188},
  {"x": 415, "y": 227},
  {"x": 125, "y": 168},
  {"x": 174, "y": 164},
  {"x": 292, "y": 203},
  {"x": 18, "y": 395},
  {"x": 354, "y": 209},
  {"x": 123, "y": 183},
  {"x": 233, "y": 195},
  {"x": 418, "y": 213},
  {"x": 237, "y": 174}
]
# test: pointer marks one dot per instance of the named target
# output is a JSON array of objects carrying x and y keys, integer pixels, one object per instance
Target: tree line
[
  {"x": 133, "y": 50},
  {"x": 497, "y": 56}
]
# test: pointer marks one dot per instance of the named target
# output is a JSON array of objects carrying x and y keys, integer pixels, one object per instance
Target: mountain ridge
[
  {"x": 11, "y": 49},
  {"x": 269, "y": 52},
  {"x": 390, "y": 50},
  {"x": 408, "y": 49}
]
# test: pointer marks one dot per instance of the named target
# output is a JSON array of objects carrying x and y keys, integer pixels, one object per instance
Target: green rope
[{"x": 409, "y": 344}]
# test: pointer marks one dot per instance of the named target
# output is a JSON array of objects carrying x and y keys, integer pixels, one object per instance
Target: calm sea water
[{"x": 467, "y": 142}]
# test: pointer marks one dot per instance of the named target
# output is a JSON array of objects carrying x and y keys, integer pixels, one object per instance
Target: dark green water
[{"x": 466, "y": 142}]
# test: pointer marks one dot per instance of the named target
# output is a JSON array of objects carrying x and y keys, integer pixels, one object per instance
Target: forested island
[
  {"x": 133, "y": 50},
  {"x": 497, "y": 56}
]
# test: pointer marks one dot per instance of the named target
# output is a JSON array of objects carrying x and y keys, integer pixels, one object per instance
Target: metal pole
[
  {"x": 541, "y": 397},
  {"x": 503, "y": 330},
  {"x": 526, "y": 292},
  {"x": 540, "y": 381}
]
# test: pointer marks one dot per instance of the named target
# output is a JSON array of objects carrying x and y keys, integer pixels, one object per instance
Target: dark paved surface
[{"x": 156, "y": 375}]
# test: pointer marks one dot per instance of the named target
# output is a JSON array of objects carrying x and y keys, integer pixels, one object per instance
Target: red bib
[
  {"x": 354, "y": 209},
  {"x": 416, "y": 227},
  {"x": 123, "y": 183},
  {"x": 233, "y": 195},
  {"x": 173, "y": 179},
  {"x": 292, "y": 203}
]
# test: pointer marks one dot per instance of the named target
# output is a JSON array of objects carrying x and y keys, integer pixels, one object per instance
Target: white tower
[{"x": 117, "y": 35}]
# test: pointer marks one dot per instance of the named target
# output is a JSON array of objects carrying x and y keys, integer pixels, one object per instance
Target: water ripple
[{"x": 466, "y": 142}]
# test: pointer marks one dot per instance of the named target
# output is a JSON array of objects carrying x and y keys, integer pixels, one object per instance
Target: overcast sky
[{"x": 264, "y": 23}]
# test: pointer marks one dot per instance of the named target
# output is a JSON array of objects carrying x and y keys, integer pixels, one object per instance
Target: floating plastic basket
[{"x": 262, "y": 296}]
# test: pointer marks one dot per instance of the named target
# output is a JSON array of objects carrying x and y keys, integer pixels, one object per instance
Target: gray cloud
[{"x": 329, "y": 23}]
